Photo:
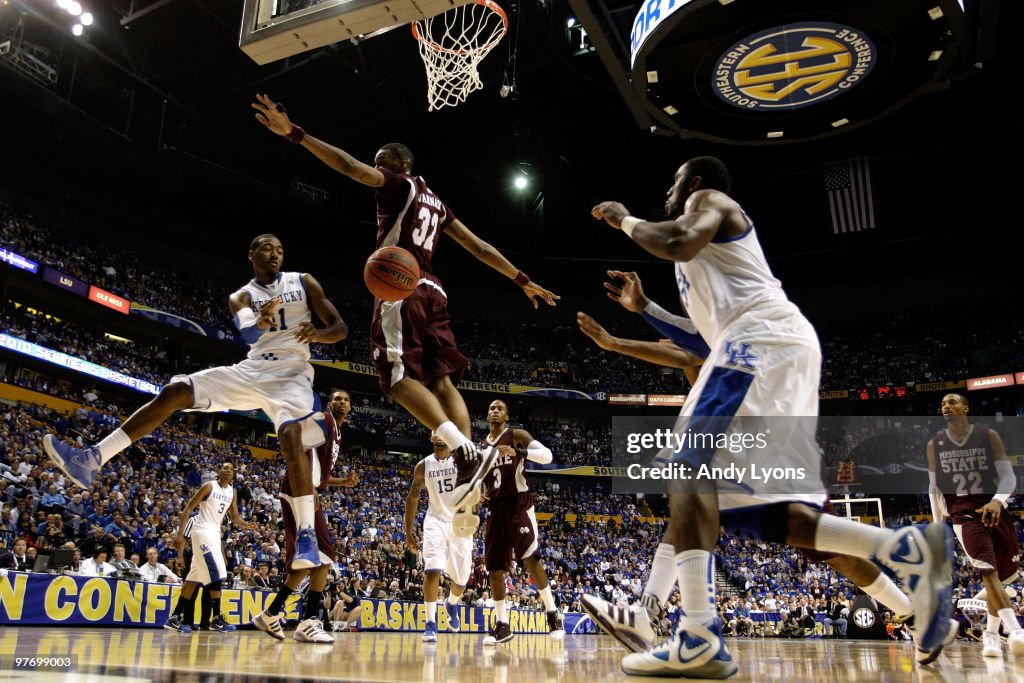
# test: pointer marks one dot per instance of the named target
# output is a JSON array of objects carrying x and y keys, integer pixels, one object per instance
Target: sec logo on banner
[{"x": 793, "y": 66}]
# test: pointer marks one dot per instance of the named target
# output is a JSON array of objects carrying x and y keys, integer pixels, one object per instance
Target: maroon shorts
[
  {"x": 324, "y": 537},
  {"x": 821, "y": 555},
  {"x": 990, "y": 547},
  {"x": 512, "y": 532},
  {"x": 413, "y": 338}
]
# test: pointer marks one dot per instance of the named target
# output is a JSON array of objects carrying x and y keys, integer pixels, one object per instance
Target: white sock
[
  {"x": 431, "y": 611},
  {"x": 993, "y": 623},
  {"x": 453, "y": 599},
  {"x": 1009, "y": 619},
  {"x": 885, "y": 591},
  {"x": 663, "y": 573},
  {"x": 549, "y": 601},
  {"x": 114, "y": 443},
  {"x": 499, "y": 610},
  {"x": 304, "y": 509},
  {"x": 696, "y": 573},
  {"x": 451, "y": 434},
  {"x": 837, "y": 535}
]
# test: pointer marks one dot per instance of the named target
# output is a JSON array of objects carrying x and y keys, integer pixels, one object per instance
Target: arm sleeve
[
  {"x": 539, "y": 453},
  {"x": 680, "y": 330},
  {"x": 1007, "y": 482},
  {"x": 245, "y": 321},
  {"x": 936, "y": 499}
]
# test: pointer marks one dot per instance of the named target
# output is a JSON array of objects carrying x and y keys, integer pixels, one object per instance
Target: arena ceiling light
[{"x": 520, "y": 182}]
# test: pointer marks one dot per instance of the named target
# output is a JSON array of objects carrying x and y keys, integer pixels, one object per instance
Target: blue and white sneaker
[
  {"x": 81, "y": 465},
  {"x": 307, "y": 552},
  {"x": 923, "y": 561},
  {"x": 176, "y": 624},
  {"x": 430, "y": 632},
  {"x": 454, "y": 620},
  {"x": 695, "y": 650},
  {"x": 218, "y": 624}
]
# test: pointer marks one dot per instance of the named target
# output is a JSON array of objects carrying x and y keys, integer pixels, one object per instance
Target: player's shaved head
[
  {"x": 399, "y": 150},
  {"x": 713, "y": 173},
  {"x": 259, "y": 239}
]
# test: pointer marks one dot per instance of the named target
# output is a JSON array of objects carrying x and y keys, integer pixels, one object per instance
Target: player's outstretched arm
[
  {"x": 486, "y": 253},
  {"x": 681, "y": 331},
  {"x": 678, "y": 240},
  {"x": 348, "y": 481},
  {"x": 273, "y": 117},
  {"x": 336, "y": 329},
  {"x": 535, "y": 450},
  {"x": 412, "y": 504},
  {"x": 659, "y": 353}
]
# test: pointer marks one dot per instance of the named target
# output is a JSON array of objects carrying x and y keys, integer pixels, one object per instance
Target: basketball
[{"x": 391, "y": 273}]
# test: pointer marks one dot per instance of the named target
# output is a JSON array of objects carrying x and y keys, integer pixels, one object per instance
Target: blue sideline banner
[
  {"x": 46, "y": 600},
  {"x": 396, "y": 615}
]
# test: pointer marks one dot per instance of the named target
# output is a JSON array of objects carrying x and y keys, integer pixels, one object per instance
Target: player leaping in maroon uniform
[
  {"x": 970, "y": 482},
  {"x": 413, "y": 346},
  {"x": 512, "y": 532}
]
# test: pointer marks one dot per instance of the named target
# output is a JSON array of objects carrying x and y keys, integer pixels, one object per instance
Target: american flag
[{"x": 848, "y": 186}]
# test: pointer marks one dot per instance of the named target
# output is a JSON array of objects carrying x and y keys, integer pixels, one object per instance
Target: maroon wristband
[
  {"x": 296, "y": 135},
  {"x": 521, "y": 279}
]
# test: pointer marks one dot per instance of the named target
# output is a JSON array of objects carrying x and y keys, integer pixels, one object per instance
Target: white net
[{"x": 452, "y": 45}]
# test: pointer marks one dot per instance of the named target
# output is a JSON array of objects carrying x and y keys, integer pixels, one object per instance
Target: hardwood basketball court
[{"x": 158, "y": 655}]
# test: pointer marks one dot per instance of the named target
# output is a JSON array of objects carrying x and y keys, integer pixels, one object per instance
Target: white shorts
[
  {"x": 443, "y": 550},
  {"x": 767, "y": 364},
  {"x": 283, "y": 389},
  {"x": 207, "y": 557}
]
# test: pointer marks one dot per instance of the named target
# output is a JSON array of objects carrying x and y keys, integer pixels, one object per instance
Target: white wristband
[{"x": 629, "y": 223}]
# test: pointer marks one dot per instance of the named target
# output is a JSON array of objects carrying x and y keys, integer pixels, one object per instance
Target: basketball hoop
[{"x": 452, "y": 45}]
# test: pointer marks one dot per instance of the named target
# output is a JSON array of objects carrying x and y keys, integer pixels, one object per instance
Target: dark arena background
[{"x": 875, "y": 144}]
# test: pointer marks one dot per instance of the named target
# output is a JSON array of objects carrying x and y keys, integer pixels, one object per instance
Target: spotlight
[
  {"x": 74, "y": 8},
  {"x": 520, "y": 183},
  {"x": 570, "y": 22},
  {"x": 86, "y": 19},
  {"x": 77, "y": 29}
]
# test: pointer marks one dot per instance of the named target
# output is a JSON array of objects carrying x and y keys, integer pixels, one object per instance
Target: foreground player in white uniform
[
  {"x": 443, "y": 551},
  {"x": 214, "y": 499},
  {"x": 763, "y": 361},
  {"x": 273, "y": 314}
]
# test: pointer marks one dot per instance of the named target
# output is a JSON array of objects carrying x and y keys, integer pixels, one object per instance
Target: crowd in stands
[{"x": 593, "y": 542}]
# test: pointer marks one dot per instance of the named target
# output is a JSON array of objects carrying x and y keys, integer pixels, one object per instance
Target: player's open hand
[
  {"x": 631, "y": 295},
  {"x": 305, "y": 333},
  {"x": 349, "y": 480},
  {"x": 506, "y": 450},
  {"x": 593, "y": 329},
  {"x": 268, "y": 314},
  {"x": 535, "y": 292},
  {"x": 272, "y": 115},
  {"x": 990, "y": 512},
  {"x": 611, "y": 213}
]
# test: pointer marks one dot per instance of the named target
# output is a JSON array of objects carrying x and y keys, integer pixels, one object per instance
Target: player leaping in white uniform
[
  {"x": 443, "y": 551},
  {"x": 273, "y": 314},
  {"x": 763, "y": 361},
  {"x": 214, "y": 499}
]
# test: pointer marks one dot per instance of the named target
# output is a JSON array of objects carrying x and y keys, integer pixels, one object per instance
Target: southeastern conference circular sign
[
  {"x": 864, "y": 618},
  {"x": 794, "y": 66}
]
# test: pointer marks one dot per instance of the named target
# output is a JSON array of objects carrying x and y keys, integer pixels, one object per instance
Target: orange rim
[{"x": 489, "y": 4}]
